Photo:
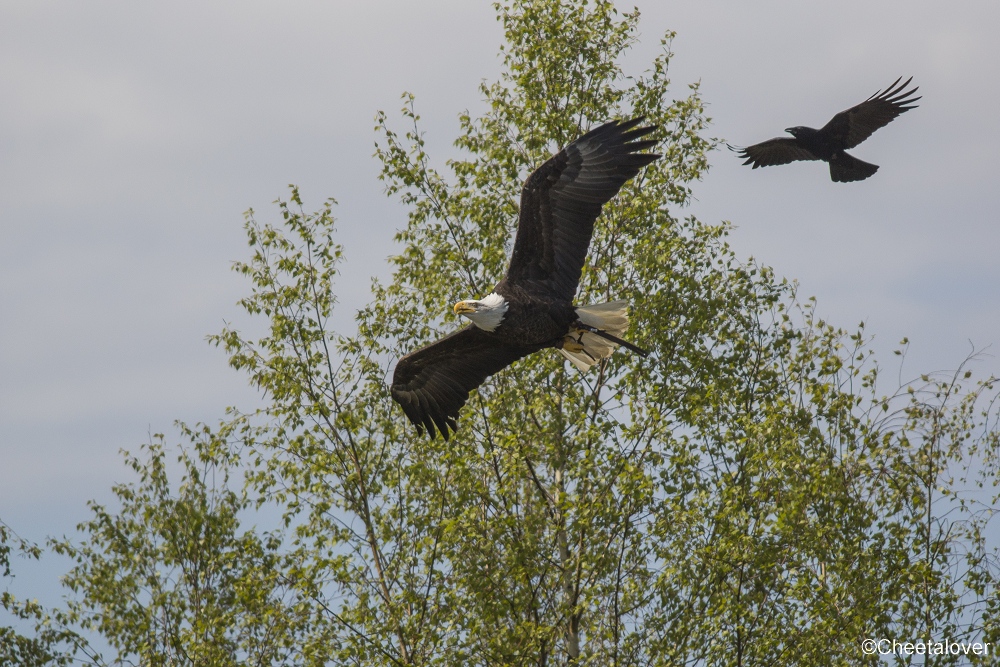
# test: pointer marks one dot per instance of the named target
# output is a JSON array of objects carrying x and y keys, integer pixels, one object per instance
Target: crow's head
[{"x": 797, "y": 131}]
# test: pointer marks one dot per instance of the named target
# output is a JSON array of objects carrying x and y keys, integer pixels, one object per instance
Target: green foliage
[
  {"x": 171, "y": 579},
  {"x": 49, "y": 645},
  {"x": 744, "y": 496}
]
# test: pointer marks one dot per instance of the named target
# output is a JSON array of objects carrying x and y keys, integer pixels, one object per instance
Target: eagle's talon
[{"x": 574, "y": 345}]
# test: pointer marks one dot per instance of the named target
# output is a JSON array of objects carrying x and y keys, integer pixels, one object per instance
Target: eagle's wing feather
[
  {"x": 780, "y": 150},
  {"x": 433, "y": 383},
  {"x": 852, "y": 126},
  {"x": 561, "y": 200}
]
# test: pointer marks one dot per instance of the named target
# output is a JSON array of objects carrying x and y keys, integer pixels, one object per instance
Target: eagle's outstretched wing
[
  {"x": 434, "y": 382},
  {"x": 849, "y": 128},
  {"x": 780, "y": 150},
  {"x": 562, "y": 199}
]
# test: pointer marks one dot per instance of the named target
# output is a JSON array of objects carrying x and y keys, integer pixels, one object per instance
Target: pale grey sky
[{"x": 134, "y": 135}]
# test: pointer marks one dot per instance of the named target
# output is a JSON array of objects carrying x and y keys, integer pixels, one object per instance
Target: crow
[{"x": 845, "y": 130}]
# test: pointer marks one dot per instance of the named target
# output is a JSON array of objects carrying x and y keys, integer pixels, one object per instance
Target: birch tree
[{"x": 747, "y": 495}]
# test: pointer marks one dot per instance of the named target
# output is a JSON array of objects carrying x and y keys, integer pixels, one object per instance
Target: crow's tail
[{"x": 845, "y": 168}]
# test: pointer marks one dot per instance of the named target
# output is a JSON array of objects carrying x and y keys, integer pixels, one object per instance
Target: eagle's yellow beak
[{"x": 463, "y": 308}]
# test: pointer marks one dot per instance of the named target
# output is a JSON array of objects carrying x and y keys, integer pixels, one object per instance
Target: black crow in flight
[{"x": 845, "y": 130}]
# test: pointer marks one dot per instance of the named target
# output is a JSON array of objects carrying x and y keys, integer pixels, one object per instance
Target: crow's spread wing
[
  {"x": 562, "y": 199},
  {"x": 434, "y": 382},
  {"x": 849, "y": 128},
  {"x": 780, "y": 150}
]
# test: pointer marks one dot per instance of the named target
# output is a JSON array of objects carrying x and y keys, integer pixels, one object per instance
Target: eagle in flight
[
  {"x": 829, "y": 143},
  {"x": 532, "y": 307}
]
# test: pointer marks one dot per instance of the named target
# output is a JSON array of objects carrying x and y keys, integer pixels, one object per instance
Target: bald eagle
[{"x": 532, "y": 307}]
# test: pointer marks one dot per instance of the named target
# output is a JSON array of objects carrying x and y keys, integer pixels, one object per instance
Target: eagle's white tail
[{"x": 612, "y": 318}]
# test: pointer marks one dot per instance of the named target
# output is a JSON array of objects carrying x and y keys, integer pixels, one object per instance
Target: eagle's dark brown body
[{"x": 535, "y": 321}]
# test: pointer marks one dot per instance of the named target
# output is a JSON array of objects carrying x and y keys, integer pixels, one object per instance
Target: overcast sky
[{"x": 133, "y": 136}]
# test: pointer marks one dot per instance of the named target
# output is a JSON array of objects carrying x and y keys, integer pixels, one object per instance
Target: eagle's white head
[{"x": 486, "y": 313}]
